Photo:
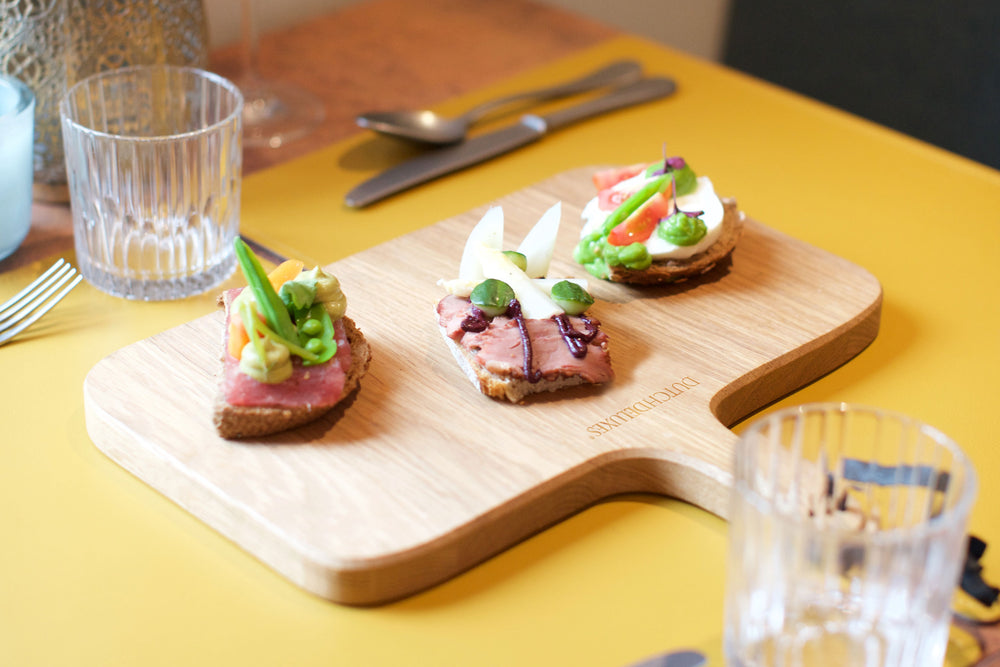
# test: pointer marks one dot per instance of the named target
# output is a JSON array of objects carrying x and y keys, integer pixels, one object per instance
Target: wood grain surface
[
  {"x": 399, "y": 54},
  {"x": 419, "y": 477}
]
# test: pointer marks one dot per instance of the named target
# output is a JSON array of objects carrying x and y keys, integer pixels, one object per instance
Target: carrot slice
[
  {"x": 238, "y": 336},
  {"x": 284, "y": 272}
]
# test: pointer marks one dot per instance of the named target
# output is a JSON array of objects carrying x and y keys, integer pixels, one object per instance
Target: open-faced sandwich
[
  {"x": 289, "y": 352},
  {"x": 513, "y": 331},
  {"x": 656, "y": 223}
]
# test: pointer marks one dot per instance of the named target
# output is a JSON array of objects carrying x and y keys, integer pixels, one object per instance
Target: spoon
[{"x": 429, "y": 128}]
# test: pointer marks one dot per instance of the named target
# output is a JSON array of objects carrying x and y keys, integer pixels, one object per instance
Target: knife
[
  {"x": 263, "y": 251},
  {"x": 675, "y": 659},
  {"x": 530, "y": 128}
]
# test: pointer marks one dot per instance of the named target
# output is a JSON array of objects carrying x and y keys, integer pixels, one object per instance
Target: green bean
[
  {"x": 268, "y": 301},
  {"x": 629, "y": 206}
]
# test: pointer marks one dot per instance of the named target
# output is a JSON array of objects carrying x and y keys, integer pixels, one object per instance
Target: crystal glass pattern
[
  {"x": 154, "y": 160},
  {"x": 51, "y": 44},
  {"x": 847, "y": 536},
  {"x": 110, "y": 34}
]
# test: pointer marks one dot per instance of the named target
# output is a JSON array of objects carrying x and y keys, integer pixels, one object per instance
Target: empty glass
[
  {"x": 274, "y": 112},
  {"x": 847, "y": 537},
  {"x": 153, "y": 161}
]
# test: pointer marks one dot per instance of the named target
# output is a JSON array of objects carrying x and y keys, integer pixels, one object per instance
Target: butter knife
[
  {"x": 530, "y": 128},
  {"x": 675, "y": 659}
]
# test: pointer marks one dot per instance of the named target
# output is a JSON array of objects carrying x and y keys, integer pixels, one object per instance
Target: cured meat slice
[{"x": 314, "y": 386}]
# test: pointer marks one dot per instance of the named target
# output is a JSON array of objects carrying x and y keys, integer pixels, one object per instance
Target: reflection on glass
[{"x": 274, "y": 112}]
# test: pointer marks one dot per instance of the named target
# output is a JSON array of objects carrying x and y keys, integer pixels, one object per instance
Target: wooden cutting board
[{"x": 419, "y": 476}]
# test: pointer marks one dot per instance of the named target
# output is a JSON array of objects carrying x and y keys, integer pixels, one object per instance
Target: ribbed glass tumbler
[
  {"x": 847, "y": 537},
  {"x": 153, "y": 164}
]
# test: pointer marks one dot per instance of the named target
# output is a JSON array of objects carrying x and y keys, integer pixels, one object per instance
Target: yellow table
[{"x": 98, "y": 569}]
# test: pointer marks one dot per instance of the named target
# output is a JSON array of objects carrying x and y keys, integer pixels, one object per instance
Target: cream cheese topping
[{"x": 702, "y": 199}]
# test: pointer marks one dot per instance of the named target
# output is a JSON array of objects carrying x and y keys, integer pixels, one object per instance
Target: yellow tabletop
[{"x": 96, "y": 568}]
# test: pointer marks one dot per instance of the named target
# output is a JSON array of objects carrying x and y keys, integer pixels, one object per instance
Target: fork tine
[
  {"x": 15, "y": 300},
  {"x": 33, "y": 304},
  {"x": 32, "y": 299},
  {"x": 36, "y": 297}
]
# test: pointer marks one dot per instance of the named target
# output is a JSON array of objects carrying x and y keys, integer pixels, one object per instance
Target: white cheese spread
[{"x": 702, "y": 199}]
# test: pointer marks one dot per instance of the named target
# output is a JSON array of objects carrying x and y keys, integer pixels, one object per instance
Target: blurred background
[
  {"x": 695, "y": 26},
  {"x": 927, "y": 68}
]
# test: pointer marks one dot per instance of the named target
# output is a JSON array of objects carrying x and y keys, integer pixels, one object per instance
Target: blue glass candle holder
[{"x": 17, "y": 128}]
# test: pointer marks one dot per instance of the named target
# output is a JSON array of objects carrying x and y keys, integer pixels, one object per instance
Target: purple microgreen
[
  {"x": 669, "y": 163},
  {"x": 673, "y": 194}
]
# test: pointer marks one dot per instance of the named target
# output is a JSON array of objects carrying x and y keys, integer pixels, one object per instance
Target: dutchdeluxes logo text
[{"x": 635, "y": 410}]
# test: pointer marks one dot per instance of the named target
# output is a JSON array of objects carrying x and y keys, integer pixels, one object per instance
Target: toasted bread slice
[
  {"x": 506, "y": 387},
  {"x": 673, "y": 270},
  {"x": 234, "y": 421},
  {"x": 487, "y": 357}
]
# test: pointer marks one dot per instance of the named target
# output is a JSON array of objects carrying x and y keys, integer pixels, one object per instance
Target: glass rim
[
  {"x": 26, "y": 96},
  {"x": 216, "y": 79},
  {"x": 961, "y": 508}
]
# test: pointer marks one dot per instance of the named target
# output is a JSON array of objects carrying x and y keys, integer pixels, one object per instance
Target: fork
[{"x": 27, "y": 306}]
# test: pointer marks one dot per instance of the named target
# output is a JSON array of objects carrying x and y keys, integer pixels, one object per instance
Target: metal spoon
[{"x": 429, "y": 128}]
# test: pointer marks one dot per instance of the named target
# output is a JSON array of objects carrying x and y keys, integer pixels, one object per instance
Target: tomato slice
[
  {"x": 640, "y": 225},
  {"x": 609, "y": 199},
  {"x": 605, "y": 178}
]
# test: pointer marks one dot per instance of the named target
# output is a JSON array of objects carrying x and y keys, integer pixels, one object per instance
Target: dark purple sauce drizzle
[
  {"x": 576, "y": 341},
  {"x": 476, "y": 321},
  {"x": 514, "y": 312}
]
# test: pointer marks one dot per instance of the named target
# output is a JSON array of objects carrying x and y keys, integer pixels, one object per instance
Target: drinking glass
[
  {"x": 274, "y": 112},
  {"x": 17, "y": 115},
  {"x": 153, "y": 160},
  {"x": 847, "y": 537}
]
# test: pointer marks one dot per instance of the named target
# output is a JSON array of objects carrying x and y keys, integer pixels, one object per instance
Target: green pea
[
  {"x": 597, "y": 268},
  {"x": 634, "y": 256},
  {"x": 640, "y": 263},
  {"x": 587, "y": 250},
  {"x": 492, "y": 296},
  {"x": 312, "y": 327},
  {"x": 327, "y": 344},
  {"x": 610, "y": 253},
  {"x": 633, "y": 252},
  {"x": 314, "y": 345}
]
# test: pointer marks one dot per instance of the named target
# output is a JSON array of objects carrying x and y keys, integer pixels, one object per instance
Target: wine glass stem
[{"x": 250, "y": 40}]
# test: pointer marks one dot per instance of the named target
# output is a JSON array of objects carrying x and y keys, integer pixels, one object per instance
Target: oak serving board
[{"x": 419, "y": 477}]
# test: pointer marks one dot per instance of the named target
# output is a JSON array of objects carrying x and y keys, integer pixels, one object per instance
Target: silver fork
[{"x": 27, "y": 306}]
